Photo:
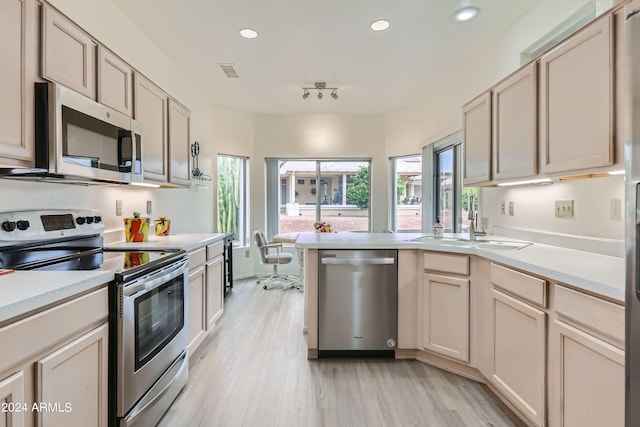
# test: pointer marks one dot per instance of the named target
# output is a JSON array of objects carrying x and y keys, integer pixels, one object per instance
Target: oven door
[{"x": 151, "y": 330}]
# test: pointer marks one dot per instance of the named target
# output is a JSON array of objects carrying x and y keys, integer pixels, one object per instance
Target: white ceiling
[{"x": 304, "y": 41}]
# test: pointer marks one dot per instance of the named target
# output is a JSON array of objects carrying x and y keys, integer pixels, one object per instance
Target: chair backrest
[{"x": 261, "y": 240}]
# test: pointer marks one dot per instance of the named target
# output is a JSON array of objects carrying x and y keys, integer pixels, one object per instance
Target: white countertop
[
  {"x": 599, "y": 274},
  {"x": 22, "y": 292},
  {"x": 186, "y": 241}
]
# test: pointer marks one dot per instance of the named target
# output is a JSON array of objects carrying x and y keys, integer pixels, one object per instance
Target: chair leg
[{"x": 277, "y": 280}]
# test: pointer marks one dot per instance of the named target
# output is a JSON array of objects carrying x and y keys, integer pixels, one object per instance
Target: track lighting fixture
[{"x": 320, "y": 86}]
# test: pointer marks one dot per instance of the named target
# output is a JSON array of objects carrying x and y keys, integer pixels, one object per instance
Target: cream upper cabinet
[
  {"x": 18, "y": 59},
  {"x": 150, "y": 109},
  {"x": 76, "y": 376},
  {"x": 576, "y": 94},
  {"x": 179, "y": 143},
  {"x": 114, "y": 82},
  {"x": 515, "y": 122},
  {"x": 476, "y": 121},
  {"x": 68, "y": 53}
]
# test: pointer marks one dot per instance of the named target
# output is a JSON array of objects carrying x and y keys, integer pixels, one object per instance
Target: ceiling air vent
[{"x": 229, "y": 71}]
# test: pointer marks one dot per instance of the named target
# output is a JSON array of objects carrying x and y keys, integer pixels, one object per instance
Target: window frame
[{"x": 393, "y": 193}]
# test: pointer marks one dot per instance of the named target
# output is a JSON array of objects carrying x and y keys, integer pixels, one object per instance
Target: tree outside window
[{"x": 232, "y": 198}]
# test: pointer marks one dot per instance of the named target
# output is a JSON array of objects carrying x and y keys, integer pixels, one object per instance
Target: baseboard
[{"x": 443, "y": 363}]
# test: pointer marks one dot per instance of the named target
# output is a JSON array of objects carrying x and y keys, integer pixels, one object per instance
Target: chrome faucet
[{"x": 473, "y": 217}]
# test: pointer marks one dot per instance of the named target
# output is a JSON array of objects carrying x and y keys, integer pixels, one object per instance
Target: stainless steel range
[{"x": 148, "y": 304}]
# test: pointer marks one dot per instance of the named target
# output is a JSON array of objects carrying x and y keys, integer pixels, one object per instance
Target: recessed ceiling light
[
  {"x": 379, "y": 25},
  {"x": 248, "y": 33},
  {"x": 466, "y": 14}
]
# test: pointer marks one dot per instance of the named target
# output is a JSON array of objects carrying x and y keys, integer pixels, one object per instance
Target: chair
[{"x": 272, "y": 254}]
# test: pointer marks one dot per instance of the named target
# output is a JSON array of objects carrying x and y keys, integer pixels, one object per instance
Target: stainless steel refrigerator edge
[
  {"x": 632, "y": 215},
  {"x": 357, "y": 303}
]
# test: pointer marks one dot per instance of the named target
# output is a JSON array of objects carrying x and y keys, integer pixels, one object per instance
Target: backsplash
[{"x": 591, "y": 228}]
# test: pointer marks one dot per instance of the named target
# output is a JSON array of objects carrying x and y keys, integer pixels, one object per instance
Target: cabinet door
[
  {"x": 519, "y": 353},
  {"x": 586, "y": 379},
  {"x": 476, "y": 121},
  {"x": 446, "y": 316},
  {"x": 215, "y": 290},
  {"x": 68, "y": 53},
  {"x": 74, "y": 379},
  {"x": 179, "y": 145},
  {"x": 150, "y": 109},
  {"x": 197, "y": 320},
  {"x": 12, "y": 393},
  {"x": 515, "y": 125},
  {"x": 114, "y": 82},
  {"x": 577, "y": 101},
  {"x": 17, "y": 56}
]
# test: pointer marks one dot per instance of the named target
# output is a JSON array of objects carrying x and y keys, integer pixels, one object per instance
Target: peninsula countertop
[{"x": 599, "y": 274}]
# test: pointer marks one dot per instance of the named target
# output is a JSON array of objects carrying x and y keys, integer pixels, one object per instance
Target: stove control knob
[
  {"x": 80, "y": 220},
  {"x": 9, "y": 226},
  {"x": 89, "y": 220},
  {"x": 23, "y": 224},
  {"x": 97, "y": 218}
]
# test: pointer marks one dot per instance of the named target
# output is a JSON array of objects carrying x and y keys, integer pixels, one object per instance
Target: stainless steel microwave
[{"x": 76, "y": 137}]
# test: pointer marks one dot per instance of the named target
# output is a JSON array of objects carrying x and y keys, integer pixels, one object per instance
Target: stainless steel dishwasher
[{"x": 357, "y": 303}]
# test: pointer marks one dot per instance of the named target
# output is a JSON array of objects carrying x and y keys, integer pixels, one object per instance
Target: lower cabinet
[
  {"x": 197, "y": 325},
  {"x": 215, "y": 290},
  {"x": 519, "y": 354},
  {"x": 446, "y": 315},
  {"x": 586, "y": 379},
  {"x": 55, "y": 372}
]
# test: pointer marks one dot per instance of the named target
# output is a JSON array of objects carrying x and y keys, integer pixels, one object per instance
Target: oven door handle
[{"x": 148, "y": 283}]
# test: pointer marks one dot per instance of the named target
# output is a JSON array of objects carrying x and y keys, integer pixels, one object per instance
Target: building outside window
[{"x": 232, "y": 209}]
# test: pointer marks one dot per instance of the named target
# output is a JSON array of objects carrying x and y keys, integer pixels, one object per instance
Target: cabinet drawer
[
  {"x": 215, "y": 249},
  {"x": 529, "y": 288},
  {"x": 197, "y": 258},
  {"x": 601, "y": 316},
  {"x": 446, "y": 263}
]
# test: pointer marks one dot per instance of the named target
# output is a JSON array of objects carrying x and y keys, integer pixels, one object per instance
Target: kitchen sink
[
  {"x": 481, "y": 243},
  {"x": 444, "y": 241},
  {"x": 502, "y": 244}
]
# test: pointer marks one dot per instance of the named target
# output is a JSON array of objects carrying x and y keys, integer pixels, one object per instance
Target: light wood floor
[{"x": 253, "y": 371}]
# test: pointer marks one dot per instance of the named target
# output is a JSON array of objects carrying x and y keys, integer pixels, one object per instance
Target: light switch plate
[
  {"x": 564, "y": 208},
  {"x": 503, "y": 208},
  {"x": 512, "y": 208},
  {"x": 149, "y": 207},
  {"x": 118, "y": 207}
]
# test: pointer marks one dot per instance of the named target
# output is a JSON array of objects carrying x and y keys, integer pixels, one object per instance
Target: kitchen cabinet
[
  {"x": 179, "y": 143},
  {"x": 63, "y": 367},
  {"x": 68, "y": 53},
  {"x": 576, "y": 94},
  {"x": 75, "y": 377},
  {"x": 18, "y": 59},
  {"x": 150, "y": 109},
  {"x": 519, "y": 340},
  {"x": 215, "y": 283},
  {"x": 514, "y": 125},
  {"x": 476, "y": 123},
  {"x": 586, "y": 379},
  {"x": 197, "y": 292},
  {"x": 445, "y": 305},
  {"x": 114, "y": 82}
]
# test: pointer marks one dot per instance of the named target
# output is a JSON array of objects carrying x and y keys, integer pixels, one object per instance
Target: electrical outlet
[
  {"x": 247, "y": 254},
  {"x": 149, "y": 206},
  {"x": 564, "y": 208},
  {"x": 512, "y": 208},
  {"x": 616, "y": 209},
  {"x": 118, "y": 207},
  {"x": 485, "y": 223},
  {"x": 503, "y": 208}
]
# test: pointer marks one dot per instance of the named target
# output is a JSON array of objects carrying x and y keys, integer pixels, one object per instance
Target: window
[
  {"x": 331, "y": 191},
  {"x": 406, "y": 193},
  {"x": 232, "y": 210},
  {"x": 450, "y": 199}
]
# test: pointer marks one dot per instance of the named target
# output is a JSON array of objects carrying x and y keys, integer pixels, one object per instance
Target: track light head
[
  {"x": 334, "y": 93},
  {"x": 320, "y": 94},
  {"x": 305, "y": 94}
]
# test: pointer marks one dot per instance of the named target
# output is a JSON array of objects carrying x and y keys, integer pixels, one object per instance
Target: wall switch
[
  {"x": 149, "y": 206},
  {"x": 247, "y": 254},
  {"x": 512, "y": 208},
  {"x": 503, "y": 208},
  {"x": 118, "y": 207},
  {"x": 563, "y": 208},
  {"x": 616, "y": 209}
]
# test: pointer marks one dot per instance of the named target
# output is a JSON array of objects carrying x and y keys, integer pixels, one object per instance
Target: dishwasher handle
[{"x": 358, "y": 261}]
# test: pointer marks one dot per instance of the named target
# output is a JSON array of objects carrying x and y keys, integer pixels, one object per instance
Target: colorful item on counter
[
  {"x": 322, "y": 227},
  {"x": 134, "y": 259},
  {"x": 162, "y": 226},
  {"x": 6, "y": 271},
  {"x": 136, "y": 229}
]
